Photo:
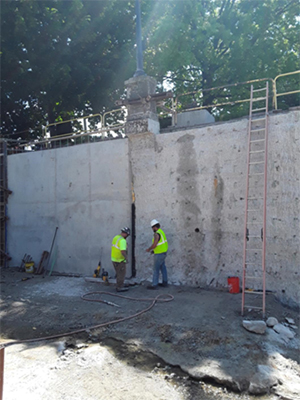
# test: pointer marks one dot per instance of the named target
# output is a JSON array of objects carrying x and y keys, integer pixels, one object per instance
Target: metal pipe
[{"x": 139, "y": 47}]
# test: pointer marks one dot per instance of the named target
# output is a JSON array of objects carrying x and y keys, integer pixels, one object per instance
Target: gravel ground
[{"x": 191, "y": 348}]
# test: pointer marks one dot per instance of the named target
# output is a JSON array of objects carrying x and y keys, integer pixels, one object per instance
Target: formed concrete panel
[{"x": 84, "y": 190}]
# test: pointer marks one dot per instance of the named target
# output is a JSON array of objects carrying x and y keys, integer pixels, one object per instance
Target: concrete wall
[
  {"x": 84, "y": 190},
  {"x": 193, "y": 181}
]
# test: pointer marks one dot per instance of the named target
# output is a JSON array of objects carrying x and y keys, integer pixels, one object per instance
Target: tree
[
  {"x": 62, "y": 59},
  {"x": 209, "y": 43}
]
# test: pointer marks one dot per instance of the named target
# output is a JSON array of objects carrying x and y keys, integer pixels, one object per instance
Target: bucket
[
  {"x": 29, "y": 267},
  {"x": 234, "y": 284}
]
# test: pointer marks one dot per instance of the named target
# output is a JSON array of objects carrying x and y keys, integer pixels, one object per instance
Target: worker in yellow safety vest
[
  {"x": 119, "y": 257},
  {"x": 159, "y": 247}
]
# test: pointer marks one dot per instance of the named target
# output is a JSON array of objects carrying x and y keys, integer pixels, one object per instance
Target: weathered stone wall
[{"x": 194, "y": 181}]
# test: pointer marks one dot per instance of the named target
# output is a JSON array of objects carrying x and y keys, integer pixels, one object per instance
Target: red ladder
[{"x": 254, "y": 255}]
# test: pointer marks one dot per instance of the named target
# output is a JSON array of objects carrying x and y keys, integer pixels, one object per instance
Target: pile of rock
[{"x": 282, "y": 329}]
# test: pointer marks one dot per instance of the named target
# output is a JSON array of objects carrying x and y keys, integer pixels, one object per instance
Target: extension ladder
[{"x": 254, "y": 265}]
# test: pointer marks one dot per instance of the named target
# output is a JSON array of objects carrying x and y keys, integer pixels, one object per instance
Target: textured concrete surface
[
  {"x": 192, "y": 118},
  {"x": 193, "y": 181}
]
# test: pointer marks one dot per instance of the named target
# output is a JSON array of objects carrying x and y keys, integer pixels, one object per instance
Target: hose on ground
[{"x": 161, "y": 298}]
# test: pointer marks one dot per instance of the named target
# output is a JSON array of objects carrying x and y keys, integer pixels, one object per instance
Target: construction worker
[
  {"x": 119, "y": 257},
  {"x": 159, "y": 247}
]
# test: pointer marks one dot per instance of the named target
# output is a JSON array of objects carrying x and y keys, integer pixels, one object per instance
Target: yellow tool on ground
[
  {"x": 103, "y": 275},
  {"x": 97, "y": 270}
]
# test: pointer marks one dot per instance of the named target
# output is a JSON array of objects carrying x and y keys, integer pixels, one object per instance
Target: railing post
[{"x": 274, "y": 94}]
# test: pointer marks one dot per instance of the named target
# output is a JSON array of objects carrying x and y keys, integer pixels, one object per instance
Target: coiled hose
[{"x": 161, "y": 298}]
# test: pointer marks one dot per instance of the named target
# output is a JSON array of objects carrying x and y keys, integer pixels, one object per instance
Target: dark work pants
[{"x": 120, "y": 268}]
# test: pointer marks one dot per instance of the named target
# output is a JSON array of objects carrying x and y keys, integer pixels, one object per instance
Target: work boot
[
  {"x": 163, "y": 284},
  {"x": 123, "y": 289},
  {"x": 151, "y": 287}
]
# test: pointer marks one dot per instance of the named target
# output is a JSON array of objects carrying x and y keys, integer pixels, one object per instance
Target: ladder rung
[
  {"x": 254, "y": 236},
  {"x": 259, "y": 99},
  {"x": 257, "y": 162},
  {"x": 257, "y": 151},
  {"x": 257, "y": 140},
  {"x": 257, "y": 130},
  {"x": 259, "y": 109},
  {"x": 256, "y": 308},
  {"x": 259, "y": 90},
  {"x": 250, "y": 276},
  {"x": 253, "y": 292},
  {"x": 258, "y": 119},
  {"x": 253, "y": 277}
]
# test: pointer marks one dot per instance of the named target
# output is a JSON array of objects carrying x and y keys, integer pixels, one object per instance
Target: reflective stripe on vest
[
  {"x": 116, "y": 244},
  {"x": 162, "y": 245}
]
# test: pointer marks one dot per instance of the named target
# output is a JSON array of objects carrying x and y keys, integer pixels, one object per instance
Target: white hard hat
[{"x": 154, "y": 222}]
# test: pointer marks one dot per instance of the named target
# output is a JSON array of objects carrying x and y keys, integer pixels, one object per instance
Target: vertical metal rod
[
  {"x": 246, "y": 201},
  {"x": 265, "y": 202},
  {"x": 274, "y": 94},
  {"x": 1, "y": 371},
  {"x": 139, "y": 47}
]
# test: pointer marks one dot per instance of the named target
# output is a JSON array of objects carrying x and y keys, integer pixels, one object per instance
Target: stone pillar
[{"x": 142, "y": 114}]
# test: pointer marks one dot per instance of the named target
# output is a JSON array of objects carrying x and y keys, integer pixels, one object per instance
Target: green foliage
[
  {"x": 209, "y": 43},
  {"x": 64, "y": 59}
]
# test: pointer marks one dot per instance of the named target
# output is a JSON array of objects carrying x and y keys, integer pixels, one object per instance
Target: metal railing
[
  {"x": 198, "y": 96},
  {"x": 85, "y": 129},
  {"x": 178, "y": 105},
  {"x": 68, "y": 140},
  {"x": 110, "y": 124},
  {"x": 275, "y": 94}
]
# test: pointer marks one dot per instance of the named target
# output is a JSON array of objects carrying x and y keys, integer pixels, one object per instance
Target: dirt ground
[{"x": 193, "y": 347}]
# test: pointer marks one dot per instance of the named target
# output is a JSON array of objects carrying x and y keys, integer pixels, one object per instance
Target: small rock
[
  {"x": 255, "y": 326},
  {"x": 271, "y": 321},
  {"x": 80, "y": 345},
  {"x": 290, "y": 320},
  {"x": 263, "y": 380},
  {"x": 284, "y": 331}
]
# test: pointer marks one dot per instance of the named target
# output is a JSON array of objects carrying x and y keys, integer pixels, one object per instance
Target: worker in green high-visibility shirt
[
  {"x": 119, "y": 257},
  {"x": 159, "y": 247}
]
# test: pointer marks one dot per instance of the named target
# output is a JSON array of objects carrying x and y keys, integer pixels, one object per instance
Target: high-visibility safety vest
[
  {"x": 118, "y": 244},
  {"x": 162, "y": 245}
]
